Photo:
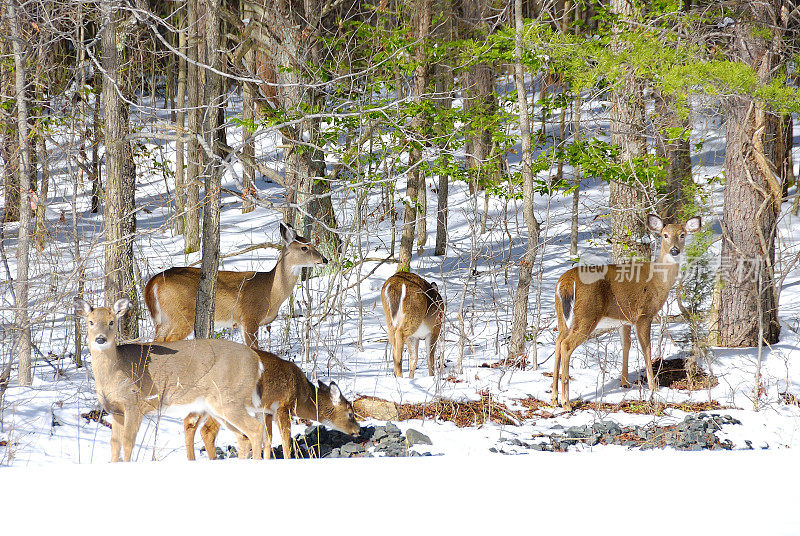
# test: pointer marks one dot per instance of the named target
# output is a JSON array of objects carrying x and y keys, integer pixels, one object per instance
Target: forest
[{"x": 588, "y": 211}]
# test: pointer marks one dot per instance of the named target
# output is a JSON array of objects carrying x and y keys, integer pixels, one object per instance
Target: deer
[
  {"x": 414, "y": 310},
  {"x": 285, "y": 391},
  {"x": 624, "y": 295},
  {"x": 215, "y": 377},
  {"x": 244, "y": 300}
]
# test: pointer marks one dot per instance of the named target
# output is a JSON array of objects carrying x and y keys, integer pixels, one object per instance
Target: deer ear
[
  {"x": 654, "y": 223},
  {"x": 120, "y": 307},
  {"x": 288, "y": 234},
  {"x": 693, "y": 225},
  {"x": 82, "y": 308},
  {"x": 336, "y": 394}
]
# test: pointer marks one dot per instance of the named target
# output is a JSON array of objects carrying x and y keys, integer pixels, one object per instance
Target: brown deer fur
[
  {"x": 618, "y": 295},
  {"x": 285, "y": 391},
  {"x": 414, "y": 310},
  {"x": 132, "y": 380},
  {"x": 245, "y": 300}
]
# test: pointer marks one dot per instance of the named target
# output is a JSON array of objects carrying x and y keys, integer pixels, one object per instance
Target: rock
[
  {"x": 418, "y": 438},
  {"x": 391, "y": 429}
]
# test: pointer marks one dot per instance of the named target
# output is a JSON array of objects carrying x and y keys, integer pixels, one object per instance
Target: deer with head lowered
[
  {"x": 245, "y": 300},
  {"x": 616, "y": 295},
  {"x": 215, "y": 377},
  {"x": 414, "y": 310},
  {"x": 285, "y": 391}
]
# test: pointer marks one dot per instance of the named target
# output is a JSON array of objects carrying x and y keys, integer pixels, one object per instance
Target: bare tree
[
  {"x": 520, "y": 318},
  {"x": 21, "y": 320},
  {"x": 118, "y": 218}
]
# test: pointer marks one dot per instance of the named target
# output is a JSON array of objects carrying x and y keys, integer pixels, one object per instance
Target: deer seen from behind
[
  {"x": 414, "y": 310},
  {"x": 285, "y": 391},
  {"x": 244, "y": 300},
  {"x": 215, "y": 377},
  {"x": 616, "y": 295}
]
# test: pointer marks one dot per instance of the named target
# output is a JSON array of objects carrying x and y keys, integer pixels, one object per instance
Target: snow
[{"x": 56, "y": 476}]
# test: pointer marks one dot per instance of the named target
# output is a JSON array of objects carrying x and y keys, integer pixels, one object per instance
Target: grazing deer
[
  {"x": 217, "y": 377},
  {"x": 245, "y": 300},
  {"x": 414, "y": 310},
  {"x": 616, "y": 295},
  {"x": 285, "y": 391}
]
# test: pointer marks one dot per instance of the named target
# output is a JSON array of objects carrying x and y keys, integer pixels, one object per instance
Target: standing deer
[
  {"x": 245, "y": 300},
  {"x": 285, "y": 391},
  {"x": 414, "y": 310},
  {"x": 217, "y": 377},
  {"x": 616, "y": 295}
]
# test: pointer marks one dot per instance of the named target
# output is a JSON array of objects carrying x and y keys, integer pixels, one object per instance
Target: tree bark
[
  {"x": 22, "y": 325},
  {"x": 215, "y": 102},
  {"x": 118, "y": 218},
  {"x": 520, "y": 319},
  {"x": 416, "y": 180},
  {"x": 626, "y": 200},
  {"x": 180, "y": 124},
  {"x": 249, "y": 116},
  {"x": 672, "y": 144},
  {"x": 194, "y": 85},
  {"x": 9, "y": 140},
  {"x": 748, "y": 298}
]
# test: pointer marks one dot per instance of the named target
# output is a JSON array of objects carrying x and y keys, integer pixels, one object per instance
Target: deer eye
[
  {"x": 683, "y": 235},
  {"x": 304, "y": 248},
  {"x": 666, "y": 235},
  {"x": 111, "y": 323},
  {"x": 91, "y": 323}
]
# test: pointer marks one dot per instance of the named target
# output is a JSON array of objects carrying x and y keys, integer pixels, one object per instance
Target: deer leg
[
  {"x": 133, "y": 419},
  {"x": 430, "y": 344},
  {"x": 250, "y": 334},
  {"x": 190, "y": 424},
  {"x": 397, "y": 352},
  {"x": 284, "y": 420},
  {"x": 117, "y": 425},
  {"x": 568, "y": 345},
  {"x": 249, "y": 426},
  {"x": 643, "y": 334},
  {"x": 268, "y": 430},
  {"x": 556, "y": 370},
  {"x": 209, "y": 433},
  {"x": 413, "y": 355},
  {"x": 625, "y": 335}
]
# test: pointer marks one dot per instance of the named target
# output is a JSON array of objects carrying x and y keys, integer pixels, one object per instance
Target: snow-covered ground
[{"x": 57, "y": 472}]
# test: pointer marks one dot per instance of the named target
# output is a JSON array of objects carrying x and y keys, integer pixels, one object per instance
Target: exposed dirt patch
[
  {"x": 672, "y": 373},
  {"x": 97, "y": 415}
]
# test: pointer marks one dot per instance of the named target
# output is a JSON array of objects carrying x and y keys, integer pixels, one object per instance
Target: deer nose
[
  {"x": 674, "y": 251},
  {"x": 324, "y": 260},
  {"x": 100, "y": 339}
]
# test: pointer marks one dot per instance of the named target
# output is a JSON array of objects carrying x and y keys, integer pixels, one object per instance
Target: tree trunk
[
  {"x": 626, "y": 200},
  {"x": 180, "y": 124},
  {"x": 672, "y": 144},
  {"x": 748, "y": 299},
  {"x": 215, "y": 101},
  {"x": 8, "y": 142},
  {"x": 249, "y": 116},
  {"x": 22, "y": 325},
  {"x": 520, "y": 319},
  {"x": 194, "y": 85},
  {"x": 416, "y": 180},
  {"x": 573, "y": 229},
  {"x": 118, "y": 218},
  {"x": 444, "y": 79}
]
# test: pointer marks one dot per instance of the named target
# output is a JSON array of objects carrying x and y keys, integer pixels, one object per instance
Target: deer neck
[
  {"x": 284, "y": 278},
  {"x": 664, "y": 271}
]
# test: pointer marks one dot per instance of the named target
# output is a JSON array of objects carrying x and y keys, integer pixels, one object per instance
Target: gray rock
[{"x": 414, "y": 437}]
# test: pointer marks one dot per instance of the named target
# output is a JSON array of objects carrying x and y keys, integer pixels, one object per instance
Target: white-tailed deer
[
  {"x": 245, "y": 300},
  {"x": 616, "y": 295},
  {"x": 414, "y": 311},
  {"x": 285, "y": 391},
  {"x": 215, "y": 377}
]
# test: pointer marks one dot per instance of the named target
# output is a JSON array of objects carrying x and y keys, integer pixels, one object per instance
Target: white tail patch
[
  {"x": 157, "y": 313},
  {"x": 396, "y": 320}
]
